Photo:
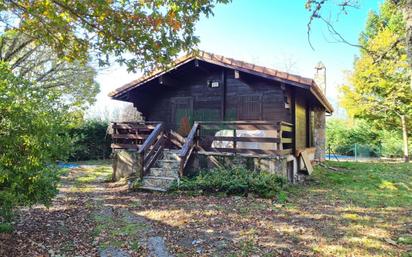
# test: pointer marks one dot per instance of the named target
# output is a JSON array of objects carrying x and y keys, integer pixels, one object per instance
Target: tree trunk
[{"x": 405, "y": 139}]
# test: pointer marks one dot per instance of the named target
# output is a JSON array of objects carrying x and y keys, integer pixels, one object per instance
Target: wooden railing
[
  {"x": 151, "y": 149},
  {"x": 237, "y": 143},
  {"x": 203, "y": 136},
  {"x": 176, "y": 140},
  {"x": 188, "y": 147},
  {"x": 131, "y": 135},
  {"x": 286, "y": 135}
]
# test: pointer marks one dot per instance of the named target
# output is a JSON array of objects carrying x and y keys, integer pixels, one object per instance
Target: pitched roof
[{"x": 233, "y": 64}]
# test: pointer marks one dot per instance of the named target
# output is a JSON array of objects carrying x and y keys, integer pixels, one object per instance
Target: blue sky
[{"x": 270, "y": 33}]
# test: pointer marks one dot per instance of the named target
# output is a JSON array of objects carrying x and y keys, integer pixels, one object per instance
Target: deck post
[
  {"x": 234, "y": 139},
  {"x": 141, "y": 156}
]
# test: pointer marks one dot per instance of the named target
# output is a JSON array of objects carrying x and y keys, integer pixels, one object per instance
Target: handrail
[
  {"x": 151, "y": 149},
  {"x": 130, "y": 135},
  {"x": 188, "y": 147},
  {"x": 155, "y": 133},
  {"x": 283, "y": 136},
  {"x": 239, "y": 143},
  {"x": 239, "y": 124}
]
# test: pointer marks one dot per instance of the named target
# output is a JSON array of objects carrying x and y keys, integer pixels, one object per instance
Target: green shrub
[
  {"x": 33, "y": 134},
  {"x": 91, "y": 141},
  {"x": 236, "y": 181},
  {"x": 343, "y": 135},
  {"x": 6, "y": 228}
]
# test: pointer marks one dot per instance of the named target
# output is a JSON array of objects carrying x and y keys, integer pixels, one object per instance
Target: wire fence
[{"x": 356, "y": 152}]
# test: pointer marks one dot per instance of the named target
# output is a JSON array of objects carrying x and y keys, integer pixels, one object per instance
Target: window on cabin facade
[{"x": 250, "y": 107}]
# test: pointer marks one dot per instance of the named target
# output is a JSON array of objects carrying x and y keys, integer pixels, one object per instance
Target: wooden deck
[{"x": 149, "y": 139}]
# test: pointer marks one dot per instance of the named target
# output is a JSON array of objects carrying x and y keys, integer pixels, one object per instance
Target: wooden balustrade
[
  {"x": 286, "y": 135},
  {"x": 151, "y": 149},
  {"x": 203, "y": 136},
  {"x": 148, "y": 139},
  {"x": 188, "y": 147},
  {"x": 130, "y": 135}
]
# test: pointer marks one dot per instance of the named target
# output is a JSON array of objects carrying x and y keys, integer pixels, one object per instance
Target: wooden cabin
[{"x": 207, "y": 104}]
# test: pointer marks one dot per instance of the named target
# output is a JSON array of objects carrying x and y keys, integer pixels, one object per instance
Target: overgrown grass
[
  {"x": 6, "y": 228},
  {"x": 94, "y": 162},
  {"x": 113, "y": 231},
  {"x": 368, "y": 184},
  {"x": 235, "y": 181},
  {"x": 370, "y": 204},
  {"x": 84, "y": 178}
]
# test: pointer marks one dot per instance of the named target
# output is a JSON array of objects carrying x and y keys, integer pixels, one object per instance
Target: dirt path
[
  {"x": 91, "y": 217},
  {"x": 84, "y": 220}
]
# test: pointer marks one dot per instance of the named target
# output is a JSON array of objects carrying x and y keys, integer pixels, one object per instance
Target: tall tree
[
  {"x": 33, "y": 135},
  {"x": 41, "y": 98},
  {"x": 405, "y": 6},
  {"x": 139, "y": 34},
  {"x": 379, "y": 88},
  {"x": 42, "y": 67}
]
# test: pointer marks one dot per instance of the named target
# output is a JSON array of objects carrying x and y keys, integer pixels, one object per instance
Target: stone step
[
  {"x": 158, "y": 182},
  {"x": 163, "y": 172},
  {"x": 171, "y": 154},
  {"x": 167, "y": 164},
  {"x": 152, "y": 188}
]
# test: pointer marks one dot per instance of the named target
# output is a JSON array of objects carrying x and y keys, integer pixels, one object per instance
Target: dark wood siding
[
  {"x": 255, "y": 99},
  {"x": 247, "y": 98}
]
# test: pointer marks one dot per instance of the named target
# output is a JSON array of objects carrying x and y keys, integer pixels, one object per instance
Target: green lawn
[
  {"x": 367, "y": 184},
  {"x": 369, "y": 205}
]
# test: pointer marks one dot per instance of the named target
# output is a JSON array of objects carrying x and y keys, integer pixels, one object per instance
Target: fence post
[
  {"x": 234, "y": 139},
  {"x": 329, "y": 151},
  {"x": 356, "y": 153},
  {"x": 142, "y": 165}
]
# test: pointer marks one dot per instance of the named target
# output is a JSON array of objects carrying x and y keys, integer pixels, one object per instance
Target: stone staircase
[{"x": 163, "y": 173}]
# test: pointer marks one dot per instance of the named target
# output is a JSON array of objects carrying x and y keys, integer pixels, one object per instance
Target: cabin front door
[{"x": 182, "y": 114}]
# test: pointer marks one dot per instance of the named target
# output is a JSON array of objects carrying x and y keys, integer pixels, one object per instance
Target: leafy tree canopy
[
  {"x": 379, "y": 88},
  {"x": 39, "y": 65},
  {"x": 137, "y": 33},
  {"x": 33, "y": 135}
]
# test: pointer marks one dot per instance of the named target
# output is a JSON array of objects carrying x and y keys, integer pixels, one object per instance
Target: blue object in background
[{"x": 68, "y": 165}]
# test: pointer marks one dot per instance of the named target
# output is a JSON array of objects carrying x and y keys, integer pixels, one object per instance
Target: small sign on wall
[{"x": 213, "y": 83}]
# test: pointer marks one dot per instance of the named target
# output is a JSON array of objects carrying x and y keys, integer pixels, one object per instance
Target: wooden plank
[
  {"x": 248, "y": 139},
  {"x": 124, "y": 146},
  {"x": 252, "y": 122},
  {"x": 286, "y": 123},
  {"x": 188, "y": 147},
  {"x": 152, "y": 137},
  {"x": 215, "y": 153},
  {"x": 149, "y": 163},
  {"x": 250, "y": 151},
  {"x": 133, "y": 126},
  {"x": 239, "y": 126},
  {"x": 155, "y": 146},
  {"x": 286, "y": 140},
  {"x": 145, "y": 130},
  {"x": 306, "y": 160},
  {"x": 189, "y": 140},
  {"x": 286, "y": 128},
  {"x": 176, "y": 139},
  {"x": 128, "y": 136},
  {"x": 234, "y": 139}
]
